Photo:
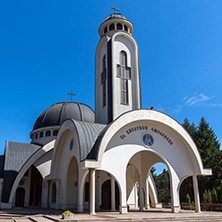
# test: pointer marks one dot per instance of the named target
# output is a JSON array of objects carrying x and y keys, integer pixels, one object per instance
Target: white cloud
[
  {"x": 215, "y": 105},
  {"x": 196, "y": 99},
  {"x": 178, "y": 109}
]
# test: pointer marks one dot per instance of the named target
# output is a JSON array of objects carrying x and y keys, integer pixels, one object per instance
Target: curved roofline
[
  {"x": 44, "y": 113},
  {"x": 66, "y": 102}
]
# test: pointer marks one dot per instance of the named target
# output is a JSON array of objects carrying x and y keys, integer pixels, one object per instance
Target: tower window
[
  {"x": 103, "y": 80},
  {"x": 125, "y": 28},
  {"x": 41, "y": 134},
  {"x": 111, "y": 27},
  {"x": 105, "y": 30},
  {"x": 124, "y": 73},
  {"x": 36, "y": 136},
  {"x": 119, "y": 26}
]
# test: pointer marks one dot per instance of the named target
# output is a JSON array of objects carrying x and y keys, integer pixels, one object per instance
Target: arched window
[
  {"x": 55, "y": 132},
  {"x": 54, "y": 193},
  {"x": 105, "y": 30},
  {"x": 71, "y": 144},
  {"x": 103, "y": 80},
  {"x": 41, "y": 134},
  {"x": 125, "y": 28},
  {"x": 36, "y": 136},
  {"x": 111, "y": 27},
  {"x": 87, "y": 191},
  {"x": 119, "y": 26},
  {"x": 48, "y": 133},
  {"x": 124, "y": 73}
]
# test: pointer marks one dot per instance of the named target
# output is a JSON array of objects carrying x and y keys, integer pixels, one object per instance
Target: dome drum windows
[
  {"x": 42, "y": 134},
  {"x": 48, "y": 133},
  {"x": 55, "y": 132}
]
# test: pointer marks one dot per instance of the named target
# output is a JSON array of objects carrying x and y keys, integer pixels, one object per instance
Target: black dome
[{"x": 56, "y": 114}]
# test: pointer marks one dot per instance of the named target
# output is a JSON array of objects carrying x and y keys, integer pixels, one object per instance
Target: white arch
[
  {"x": 67, "y": 130},
  {"x": 155, "y": 116}
]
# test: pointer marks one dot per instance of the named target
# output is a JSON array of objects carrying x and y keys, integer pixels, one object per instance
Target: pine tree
[
  {"x": 187, "y": 185},
  {"x": 210, "y": 187},
  {"x": 211, "y": 155}
]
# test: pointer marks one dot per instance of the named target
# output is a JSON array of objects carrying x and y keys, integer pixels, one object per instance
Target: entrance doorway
[
  {"x": 35, "y": 188},
  {"x": 20, "y": 197},
  {"x": 106, "y": 195}
]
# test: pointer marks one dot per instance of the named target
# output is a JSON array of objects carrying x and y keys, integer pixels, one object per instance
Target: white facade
[{"x": 107, "y": 167}]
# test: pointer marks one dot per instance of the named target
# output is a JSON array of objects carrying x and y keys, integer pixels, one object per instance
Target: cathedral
[{"x": 89, "y": 160}]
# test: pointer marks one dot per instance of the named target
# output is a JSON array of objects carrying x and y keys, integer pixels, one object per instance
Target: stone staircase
[{"x": 201, "y": 218}]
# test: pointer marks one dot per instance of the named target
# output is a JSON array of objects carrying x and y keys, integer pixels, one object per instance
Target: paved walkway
[{"x": 154, "y": 215}]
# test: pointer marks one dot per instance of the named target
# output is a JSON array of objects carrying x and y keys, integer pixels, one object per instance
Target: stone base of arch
[
  {"x": 175, "y": 209},
  {"x": 123, "y": 209}
]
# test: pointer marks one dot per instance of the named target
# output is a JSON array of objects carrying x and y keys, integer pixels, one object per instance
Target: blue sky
[{"x": 48, "y": 48}]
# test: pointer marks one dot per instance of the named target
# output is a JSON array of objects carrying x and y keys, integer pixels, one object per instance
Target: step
[{"x": 40, "y": 219}]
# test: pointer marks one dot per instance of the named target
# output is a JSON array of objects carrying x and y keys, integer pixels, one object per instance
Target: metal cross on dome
[
  {"x": 115, "y": 8},
  {"x": 71, "y": 94}
]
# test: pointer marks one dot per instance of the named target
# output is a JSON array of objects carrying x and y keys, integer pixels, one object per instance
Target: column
[
  {"x": 141, "y": 193},
  {"x": 147, "y": 193},
  {"x": 113, "y": 201},
  {"x": 196, "y": 194},
  {"x": 92, "y": 191}
]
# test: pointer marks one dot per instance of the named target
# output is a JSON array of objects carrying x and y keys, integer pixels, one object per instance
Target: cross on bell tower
[{"x": 115, "y": 8}]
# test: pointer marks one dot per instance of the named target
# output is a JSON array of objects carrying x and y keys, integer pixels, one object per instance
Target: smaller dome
[
  {"x": 58, "y": 113},
  {"x": 115, "y": 16}
]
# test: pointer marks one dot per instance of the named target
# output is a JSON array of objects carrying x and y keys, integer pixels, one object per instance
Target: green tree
[
  {"x": 187, "y": 185},
  {"x": 210, "y": 187},
  {"x": 189, "y": 127},
  {"x": 207, "y": 196},
  {"x": 188, "y": 199},
  {"x": 162, "y": 182},
  {"x": 214, "y": 195},
  {"x": 211, "y": 155}
]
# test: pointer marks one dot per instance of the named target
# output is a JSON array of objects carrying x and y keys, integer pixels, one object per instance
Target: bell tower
[{"x": 117, "y": 73}]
